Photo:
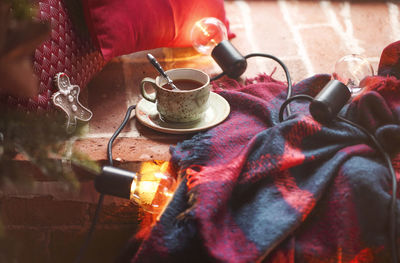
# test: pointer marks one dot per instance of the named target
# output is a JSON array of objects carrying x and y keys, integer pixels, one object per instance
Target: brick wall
[
  {"x": 310, "y": 36},
  {"x": 49, "y": 224}
]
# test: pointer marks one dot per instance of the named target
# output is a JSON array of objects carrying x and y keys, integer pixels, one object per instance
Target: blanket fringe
[{"x": 232, "y": 84}]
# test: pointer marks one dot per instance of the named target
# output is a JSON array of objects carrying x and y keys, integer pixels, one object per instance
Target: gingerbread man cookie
[{"x": 67, "y": 98}]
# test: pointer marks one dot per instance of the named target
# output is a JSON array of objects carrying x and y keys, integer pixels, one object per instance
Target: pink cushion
[{"x": 126, "y": 26}]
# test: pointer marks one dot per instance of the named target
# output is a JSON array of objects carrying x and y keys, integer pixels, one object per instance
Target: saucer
[{"x": 218, "y": 110}]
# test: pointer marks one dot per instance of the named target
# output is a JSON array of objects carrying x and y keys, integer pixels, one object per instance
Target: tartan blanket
[{"x": 254, "y": 189}]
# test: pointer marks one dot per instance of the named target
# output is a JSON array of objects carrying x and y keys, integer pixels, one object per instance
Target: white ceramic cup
[{"x": 179, "y": 105}]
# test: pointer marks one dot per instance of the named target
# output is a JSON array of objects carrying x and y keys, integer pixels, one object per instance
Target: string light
[
  {"x": 150, "y": 189},
  {"x": 207, "y": 33},
  {"x": 351, "y": 70},
  {"x": 209, "y": 36}
]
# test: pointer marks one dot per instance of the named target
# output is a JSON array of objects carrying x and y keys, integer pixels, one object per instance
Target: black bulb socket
[
  {"x": 114, "y": 181},
  {"x": 229, "y": 59},
  {"x": 329, "y": 101}
]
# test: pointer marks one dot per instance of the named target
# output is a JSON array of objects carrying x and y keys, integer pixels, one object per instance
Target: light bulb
[
  {"x": 207, "y": 33},
  {"x": 209, "y": 37},
  {"x": 150, "y": 189},
  {"x": 351, "y": 70}
]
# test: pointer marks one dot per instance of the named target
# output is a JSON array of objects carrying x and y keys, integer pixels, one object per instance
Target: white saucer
[{"x": 146, "y": 113}]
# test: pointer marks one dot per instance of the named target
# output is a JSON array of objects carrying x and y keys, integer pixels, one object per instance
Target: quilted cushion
[{"x": 68, "y": 50}]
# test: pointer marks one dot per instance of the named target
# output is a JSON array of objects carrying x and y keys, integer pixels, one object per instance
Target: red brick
[
  {"x": 296, "y": 69},
  {"x": 25, "y": 245},
  {"x": 268, "y": 36},
  {"x": 128, "y": 149},
  {"x": 271, "y": 31},
  {"x": 306, "y": 12},
  {"x": 42, "y": 211},
  {"x": 323, "y": 60},
  {"x": 123, "y": 213},
  {"x": 105, "y": 246},
  {"x": 372, "y": 26},
  {"x": 105, "y": 94}
]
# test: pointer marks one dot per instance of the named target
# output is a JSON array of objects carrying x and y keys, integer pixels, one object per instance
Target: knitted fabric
[{"x": 254, "y": 189}]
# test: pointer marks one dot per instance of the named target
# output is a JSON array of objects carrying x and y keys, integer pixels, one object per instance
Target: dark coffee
[{"x": 184, "y": 84}]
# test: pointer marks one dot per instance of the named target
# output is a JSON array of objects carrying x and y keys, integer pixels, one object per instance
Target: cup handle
[{"x": 147, "y": 96}]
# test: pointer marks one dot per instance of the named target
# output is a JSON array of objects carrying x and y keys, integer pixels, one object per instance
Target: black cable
[
  {"x": 218, "y": 76},
  {"x": 289, "y": 100},
  {"x": 85, "y": 245},
  {"x": 117, "y": 132},
  {"x": 393, "y": 214},
  {"x": 288, "y": 78},
  {"x": 101, "y": 197}
]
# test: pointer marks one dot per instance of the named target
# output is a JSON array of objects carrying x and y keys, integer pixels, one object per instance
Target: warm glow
[
  {"x": 207, "y": 33},
  {"x": 154, "y": 186},
  {"x": 152, "y": 166},
  {"x": 133, "y": 189},
  {"x": 147, "y": 189},
  {"x": 202, "y": 28}
]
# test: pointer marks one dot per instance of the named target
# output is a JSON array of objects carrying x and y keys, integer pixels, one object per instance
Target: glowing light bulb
[
  {"x": 151, "y": 188},
  {"x": 209, "y": 37},
  {"x": 351, "y": 70},
  {"x": 152, "y": 191},
  {"x": 207, "y": 33}
]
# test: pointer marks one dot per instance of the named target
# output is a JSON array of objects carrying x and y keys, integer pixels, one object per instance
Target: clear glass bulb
[
  {"x": 152, "y": 190},
  {"x": 207, "y": 33},
  {"x": 351, "y": 70}
]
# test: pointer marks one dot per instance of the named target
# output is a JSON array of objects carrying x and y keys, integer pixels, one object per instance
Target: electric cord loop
[
  {"x": 284, "y": 67},
  {"x": 289, "y": 100}
]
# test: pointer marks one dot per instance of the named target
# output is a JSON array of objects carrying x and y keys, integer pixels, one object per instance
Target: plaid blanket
[{"x": 254, "y": 189}]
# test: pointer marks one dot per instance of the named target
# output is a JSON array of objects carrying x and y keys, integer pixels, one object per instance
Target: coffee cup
[{"x": 186, "y": 104}]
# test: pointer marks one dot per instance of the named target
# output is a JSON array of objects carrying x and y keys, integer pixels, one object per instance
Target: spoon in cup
[{"x": 157, "y": 65}]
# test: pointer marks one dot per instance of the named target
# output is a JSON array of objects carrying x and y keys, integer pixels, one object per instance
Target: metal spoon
[{"x": 157, "y": 65}]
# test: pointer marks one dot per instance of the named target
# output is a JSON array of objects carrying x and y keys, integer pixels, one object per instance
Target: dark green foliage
[
  {"x": 20, "y": 9},
  {"x": 41, "y": 139}
]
